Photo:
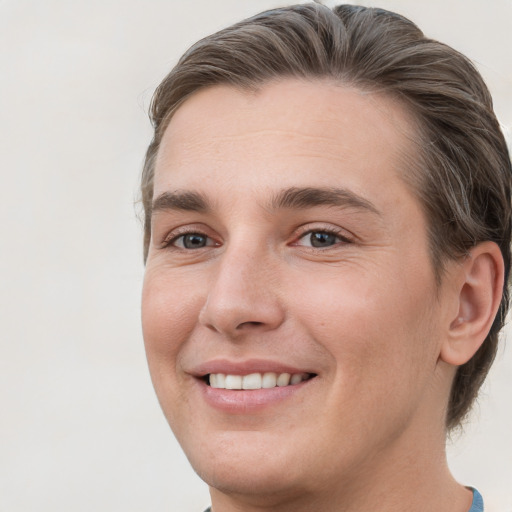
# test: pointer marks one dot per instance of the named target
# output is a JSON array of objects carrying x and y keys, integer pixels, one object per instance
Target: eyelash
[
  {"x": 172, "y": 239},
  {"x": 341, "y": 235}
]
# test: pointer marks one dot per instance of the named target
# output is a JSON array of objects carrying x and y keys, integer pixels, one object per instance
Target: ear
[{"x": 480, "y": 290}]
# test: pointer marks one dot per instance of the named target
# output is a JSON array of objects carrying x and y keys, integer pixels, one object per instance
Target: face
[{"x": 288, "y": 256}]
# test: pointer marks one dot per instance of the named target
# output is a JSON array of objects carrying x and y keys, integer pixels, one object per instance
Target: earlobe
[{"x": 479, "y": 298}]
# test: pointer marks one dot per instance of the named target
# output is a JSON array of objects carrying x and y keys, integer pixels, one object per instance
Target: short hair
[{"x": 461, "y": 173}]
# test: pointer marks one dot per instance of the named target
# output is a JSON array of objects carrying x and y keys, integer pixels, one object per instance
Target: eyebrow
[
  {"x": 309, "y": 197},
  {"x": 291, "y": 198},
  {"x": 181, "y": 200}
]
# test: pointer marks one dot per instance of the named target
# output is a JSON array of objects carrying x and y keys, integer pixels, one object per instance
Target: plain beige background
[{"x": 80, "y": 426}]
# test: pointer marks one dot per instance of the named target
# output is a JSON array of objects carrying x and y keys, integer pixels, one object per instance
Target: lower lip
[{"x": 249, "y": 401}]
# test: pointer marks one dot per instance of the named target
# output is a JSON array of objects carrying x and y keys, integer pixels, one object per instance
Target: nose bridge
[{"x": 243, "y": 291}]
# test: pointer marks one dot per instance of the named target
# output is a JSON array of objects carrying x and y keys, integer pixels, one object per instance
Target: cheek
[
  {"x": 370, "y": 322},
  {"x": 169, "y": 314},
  {"x": 379, "y": 341}
]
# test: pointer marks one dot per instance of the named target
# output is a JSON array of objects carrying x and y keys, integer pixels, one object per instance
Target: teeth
[
  {"x": 296, "y": 378},
  {"x": 283, "y": 379},
  {"x": 269, "y": 380},
  {"x": 221, "y": 380},
  {"x": 252, "y": 381},
  {"x": 233, "y": 382},
  {"x": 256, "y": 380}
]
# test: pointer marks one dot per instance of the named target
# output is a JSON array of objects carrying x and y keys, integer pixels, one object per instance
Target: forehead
[{"x": 286, "y": 133}]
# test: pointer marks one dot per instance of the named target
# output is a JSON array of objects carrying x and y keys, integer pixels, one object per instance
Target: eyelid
[
  {"x": 171, "y": 237},
  {"x": 345, "y": 236}
]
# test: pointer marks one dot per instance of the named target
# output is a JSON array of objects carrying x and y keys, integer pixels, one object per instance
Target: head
[{"x": 460, "y": 169}]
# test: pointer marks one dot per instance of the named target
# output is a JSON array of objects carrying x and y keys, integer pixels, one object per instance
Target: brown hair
[{"x": 463, "y": 173}]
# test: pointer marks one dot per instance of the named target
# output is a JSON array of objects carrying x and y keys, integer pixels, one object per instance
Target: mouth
[
  {"x": 254, "y": 381},
  {"x": 253, "y": 386}
]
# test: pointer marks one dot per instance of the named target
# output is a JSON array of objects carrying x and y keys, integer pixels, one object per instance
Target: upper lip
[{"x": 245, "y": 367}]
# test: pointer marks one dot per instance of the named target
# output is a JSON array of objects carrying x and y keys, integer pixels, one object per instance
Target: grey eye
[
  {"x": 192, "y": 241},
  {"x": 321, "y": 239}
]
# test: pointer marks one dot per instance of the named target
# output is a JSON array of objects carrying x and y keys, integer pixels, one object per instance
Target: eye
[
  {"x": 320, "y": 239},
  {"x": 192, "y": 241}
]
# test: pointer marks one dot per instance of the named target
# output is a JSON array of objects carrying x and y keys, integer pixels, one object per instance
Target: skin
[{"x": 363, "y": 313}]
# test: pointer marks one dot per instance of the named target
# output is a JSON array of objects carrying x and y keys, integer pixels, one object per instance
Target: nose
[{"x": 243, "y": 295}]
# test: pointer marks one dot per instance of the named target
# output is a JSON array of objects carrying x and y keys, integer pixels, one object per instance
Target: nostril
[{"x": 249, "y": 324}]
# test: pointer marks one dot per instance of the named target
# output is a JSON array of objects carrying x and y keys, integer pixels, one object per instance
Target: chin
[
  {"x": 241, "y": 464},
  {"x": 263, "y": 485}
]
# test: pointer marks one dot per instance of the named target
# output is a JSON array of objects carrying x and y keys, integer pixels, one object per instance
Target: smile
[
  {"x": 265, "y": 380},
  {"x": 252, "y": 386}
]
